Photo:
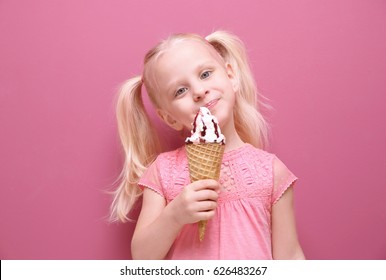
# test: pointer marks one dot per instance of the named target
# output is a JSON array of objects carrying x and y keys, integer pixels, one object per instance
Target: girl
[{"x": 250, "y": 209}]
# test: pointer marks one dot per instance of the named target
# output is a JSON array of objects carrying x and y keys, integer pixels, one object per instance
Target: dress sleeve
[
  {"x": 151, "y": 179},
  {"x": 283, "y": 178}
]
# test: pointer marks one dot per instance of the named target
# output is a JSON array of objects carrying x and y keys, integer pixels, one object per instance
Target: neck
[{"x": 232, "y": 139}]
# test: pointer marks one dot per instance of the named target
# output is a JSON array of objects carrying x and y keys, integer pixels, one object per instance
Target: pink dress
[{"x": 241, "y": 228}]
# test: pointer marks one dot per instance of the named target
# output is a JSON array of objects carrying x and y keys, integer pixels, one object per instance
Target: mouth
[{"x": 211, "y": 103}]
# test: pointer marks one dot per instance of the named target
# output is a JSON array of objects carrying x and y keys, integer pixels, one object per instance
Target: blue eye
[
  {"x": 205, "y": 74},
  {"x": 180, "y": 91}
]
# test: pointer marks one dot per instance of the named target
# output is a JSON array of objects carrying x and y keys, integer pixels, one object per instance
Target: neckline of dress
[
  {"x": 236, "y": 152},
  {"x": 228, "y": 155}
]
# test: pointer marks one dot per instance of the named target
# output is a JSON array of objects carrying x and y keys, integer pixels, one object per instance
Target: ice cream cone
[
  {"x": 204, "y": 163},
  {"x": 201, "y": 229}
]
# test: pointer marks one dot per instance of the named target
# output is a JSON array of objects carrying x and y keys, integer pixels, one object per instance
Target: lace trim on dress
[
  {"x": 290, "y": 182},
  {"x": 142, "y": 186}
]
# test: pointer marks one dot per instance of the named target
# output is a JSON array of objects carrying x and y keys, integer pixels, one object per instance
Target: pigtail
[
  {"x": 140, "y": 145},
  {"x": 249, "y": 122}
]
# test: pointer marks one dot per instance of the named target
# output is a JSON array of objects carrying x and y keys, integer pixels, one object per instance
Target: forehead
[{"x": 185, "y": 54}]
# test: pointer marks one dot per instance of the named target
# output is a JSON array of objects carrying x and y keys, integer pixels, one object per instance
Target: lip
[{"x": 211, "y": 103}]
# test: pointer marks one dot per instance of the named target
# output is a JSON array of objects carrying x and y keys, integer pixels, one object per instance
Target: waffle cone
[{"x": 204, "y": 163}]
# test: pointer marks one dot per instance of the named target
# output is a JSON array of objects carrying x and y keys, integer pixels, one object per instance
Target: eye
[
  {"x": 206, "y": 74},
  {"x": 180, "y": 91}
]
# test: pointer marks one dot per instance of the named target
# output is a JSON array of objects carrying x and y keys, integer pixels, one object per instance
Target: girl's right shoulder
[
  {"x": 164, "y": 170},
  {"x": 160, "y": 172},
  {"x": 171, "y": 159}
]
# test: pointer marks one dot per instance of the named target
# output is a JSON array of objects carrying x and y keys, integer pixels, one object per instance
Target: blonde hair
[{"x": 135, "y": 127}]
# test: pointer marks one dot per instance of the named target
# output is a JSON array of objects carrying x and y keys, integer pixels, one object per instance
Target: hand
[{"x": 197, "y": 201}]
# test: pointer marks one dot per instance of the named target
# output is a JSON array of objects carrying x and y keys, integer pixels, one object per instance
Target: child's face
[{"x": 190, "y": 75}]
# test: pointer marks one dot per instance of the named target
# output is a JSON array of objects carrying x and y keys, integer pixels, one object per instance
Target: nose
[{"x": 199, "y": 93}]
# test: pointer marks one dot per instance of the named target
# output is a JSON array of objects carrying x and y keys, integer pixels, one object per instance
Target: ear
[
  {"x": 232, "y": 77},
  {"x": 169, "y": 120}
]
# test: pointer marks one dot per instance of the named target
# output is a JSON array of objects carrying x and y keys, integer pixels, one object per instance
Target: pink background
[{"x": 322, "y": 64}]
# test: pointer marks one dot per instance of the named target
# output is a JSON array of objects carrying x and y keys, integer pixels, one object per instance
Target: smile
[{"x": 211, "y": 103}]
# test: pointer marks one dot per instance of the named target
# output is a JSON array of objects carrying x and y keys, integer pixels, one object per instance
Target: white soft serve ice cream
[{"x": 205, "y": 129}]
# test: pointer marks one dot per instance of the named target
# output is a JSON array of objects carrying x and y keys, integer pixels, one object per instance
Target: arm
[
  {"x": 285, "y": 244},
  {"x": 159, "y": 223},
  {"x": 155, "y": 230}
]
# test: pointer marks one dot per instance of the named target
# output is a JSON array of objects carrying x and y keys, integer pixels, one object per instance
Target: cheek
[
  {"x": 232, "y": 95},
  {"x": 182, "y": 113}
]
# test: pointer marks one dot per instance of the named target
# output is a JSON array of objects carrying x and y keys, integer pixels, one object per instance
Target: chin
[{"x": 222, "y": 119}]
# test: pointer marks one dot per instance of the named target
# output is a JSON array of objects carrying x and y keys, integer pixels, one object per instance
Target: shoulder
[
  {"x": 281, "y": 175},
  {"x": 169, "y": 162},
  {"x": 277, "y": 165},
  {"x": 259, "y": 154},
  {"x": 162, "y": 161},
  {"x": 283, "y": 179},
  {"x": 279, "y": 168},
  {"x": 171, "y": 157},
  {"x": 158, "y": 174}
]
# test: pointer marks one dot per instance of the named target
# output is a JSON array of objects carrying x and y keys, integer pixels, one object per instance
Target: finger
[
  {"x": 208, "y": 205},
  {"x": 206, "y": 184},
  {"x": 206, "y": 194},
  {"x": 206, "y": 215}
]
